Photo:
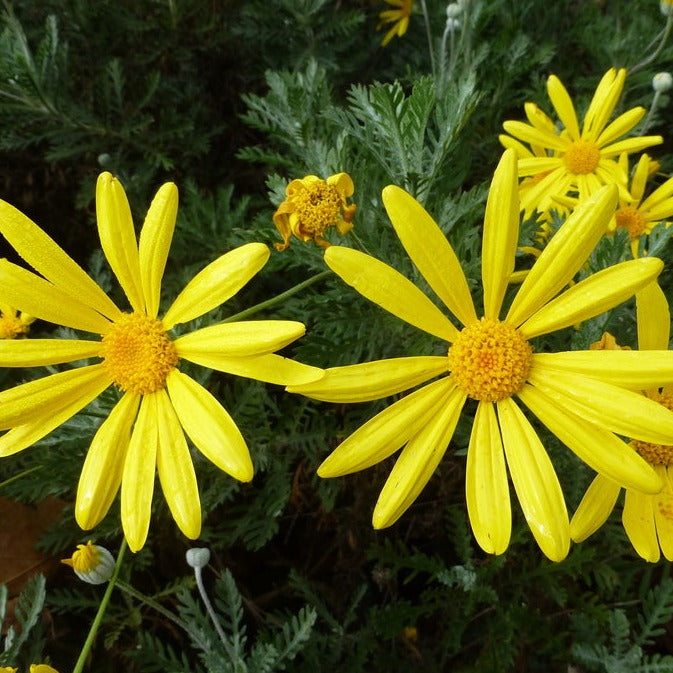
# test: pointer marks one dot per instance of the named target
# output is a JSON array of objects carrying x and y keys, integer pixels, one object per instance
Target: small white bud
[
  {"x": 453, "y": 10},
  {"x": 198, "y": 557},
  {"x": 92, "y": 563},
  {"x": 666, "y": 7},
  {"x": 662, "y": 82},
  {"x": 453, "y": 24}
]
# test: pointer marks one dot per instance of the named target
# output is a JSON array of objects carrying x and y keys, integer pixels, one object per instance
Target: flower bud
[
  {"x": 662, "y": 82},
  {"x": 198, "y": 557},
  {"x": 92, "y": 563},
  {"x": 453, "y": 10}
]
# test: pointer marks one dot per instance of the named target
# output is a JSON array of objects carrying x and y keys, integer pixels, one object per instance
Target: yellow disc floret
[
  {"x": 317, "y": 207},
  {"x": 582, "y": 157},
  {"x": 138, "y": 354},
  {"x": 631, "y": 219},
  {"x": 656, "y": 454},
  {"x": 490, "y": 360}
]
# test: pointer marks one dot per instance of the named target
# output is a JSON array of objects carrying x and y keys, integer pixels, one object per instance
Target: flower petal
[
  {"x": 388, "y": 288},
  {"x": 595, "y": 508},
  {"x": 269, "y": 368},
  {"x": 240, "y": 339},
  {"x": 501, "y": 234},
  {"x": 40, "y": 352},
  {"x": 600, "y": 449},
  {"x": 384, "y": 434},
  {"x": 535, "y": 482},
  {"x": 535, "y": 136},
  {"x": 624, "y": 412},
  {"x": 37, "y": 399},
  {"x": 430, "y": 252},
  {"x": 486, "y": 485},
  {"x": 663, "y": 513},
  {"x": 176, "y": 470},
  {"x": 620, "y": 126},
  {"x": 118, "y": 237},
  {"x": 594, "y": 295},
  {"x": 209, "y": 426},
  {"x": 653, "y": 317},
  {"x": 603, "y": 103},
  {"x": 219, "y": 281},
  {"x": 138, "y": 474},
  {"x": 565, "y": 253},
  {"x": 638, "y": 521},
  {"x": 372, "y": 380},
  {"x": 155, "y": 242},
  {"x": 418, "y": 462},
  {"x": 102, "y": 470},
  {"x": 630, "y": 145},
  {"x": 563, "y": 106},
  {"x": 52, "y": 262},
  {"x": 41, "y": 299}
]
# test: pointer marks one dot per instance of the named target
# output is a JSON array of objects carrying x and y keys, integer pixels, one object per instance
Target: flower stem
[
  {"x": 654, "y": 55},
  {"x": 21, "y": 475},
  {"x": 79, "y": 666},
  {"x": 278, "y": 298},
  {"x": 428, "y": 31},
  {"x": 212, "y": 615}
]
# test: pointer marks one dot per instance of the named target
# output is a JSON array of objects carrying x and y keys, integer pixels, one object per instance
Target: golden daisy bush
[
  {"x": 135, "y": 352},
  {"x": 647, "y": 517},
  {"x": 312, "y": 206},
  {"x": 580, "y": 396},
  {"x": 398, "y": 16},
  {"x": 575, "y": 160}
]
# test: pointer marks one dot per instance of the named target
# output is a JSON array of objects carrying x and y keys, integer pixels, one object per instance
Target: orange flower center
[
  {"x": 490, "y": 360},
  {"x": 317, "y": 207},
  {"x": 582, "y": 157},
  {"x": 11, "y": 326},
  {"x": 656, "y": 454},
  {"x": 137, "y": 353},
  {"x": 632, "y": 219}
]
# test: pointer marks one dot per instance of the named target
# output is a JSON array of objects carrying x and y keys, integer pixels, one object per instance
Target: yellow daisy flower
[
  {"x": 146, "y": 429},
  {"x": 580, "y": 396},
  {"x": 637, "y": 215},
  {"x": 647, "y": 518},
  {"x": 314, "y": 205},
  {"x": 399, "y": 17},
  {"x": 577, "y": 161},
  {"x": 13, "y": 324},
  {"x": 42, "y": 668}
]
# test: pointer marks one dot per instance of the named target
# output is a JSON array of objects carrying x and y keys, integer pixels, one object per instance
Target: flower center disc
[
  {"x": 656, "y": 454},
  {"x": 137, "y": 353},
  {"x": 582, "y": 157},
  {"x": 317, "y": 207},
  {"x": 630, "y": 218},
  {"x": 490, "y": 360},
  {"x": 11, "y": 327}
]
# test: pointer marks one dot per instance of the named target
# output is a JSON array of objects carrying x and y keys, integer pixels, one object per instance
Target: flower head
[
  {"x": 13, "y": 324},
  {"x": 662, "y": 82},
  {"x": 575, "y": 160},
  {"x": 136, "y": 353},
  {"x": 399, "y": 17},
  {"x": 313, "y": 206},
  {"x": 92, "y": 563},
  {"x": 42, "y": 668},
  {"x": 647, "y": 517},
  {"x": 579, "y": 396}
]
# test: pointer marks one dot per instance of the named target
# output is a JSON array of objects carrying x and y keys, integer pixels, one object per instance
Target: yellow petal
[
  {"x": 176, "y": 471},
  {"x": 563, "y": 106},
  {"x": 654, "y": 318},
  {"x": 388, "y": 288},
  {"x": 486, "y": 485},
  {"x": 592, "y": 296},
  {"x": 219, "y": 281},
  {"x": 118, "y": 237},
  {"x": 535, "y": 482},
  {"x": 209, "y": 426},
  {"x": 23, "y": 436},
  {"x": 565, "y": 253},
  {"x": 52, "y": 262},
  {"x": 418, "y": 462},
  {"x": 40, "y": 352},
  {"x": 269, "y": 368},
  {"x": 624, "y": 412},
  {"x": 155, "y": 241},
  {"x": 638, "y": 520},
  {"x": 535, "y": 136},
  {"x": 620, "y": 126},
  {"x": 372, "y": 380},
  {"x": 634, "y": 370},
  {"x": 102, "y": 471},
  {"x": 631, "y": 145},
  {"x": 663, "y": 513},
  {"x": 382, "y": 435},
  {"x": 39, "y": 398},
  {"x": 600, "y": 449},
  {"x": 430, "y": 252},
  {"x": 595, "y": 508},
  {"x": 603, "y": 103},
  {"x": 138, "y": 474},
  {"x": 501, "y": 233},
  {"x": 43, "y": 300},
  {"x": 240, "y": 339}
]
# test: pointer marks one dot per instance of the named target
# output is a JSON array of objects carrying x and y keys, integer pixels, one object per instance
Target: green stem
[
  {"x": 428, "y": 31},
  {"x": 652, "y": 57},
  {"x": 155, "y": 605},
  {"x": 21, "y": 475},
  {"x": 79, "y": 666},
  {"x": 277, "y": 299}
]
